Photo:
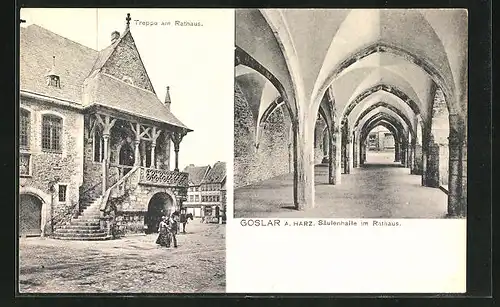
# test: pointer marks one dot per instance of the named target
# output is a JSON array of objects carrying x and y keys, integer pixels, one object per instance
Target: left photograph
[{"x": 122, "y": 167}]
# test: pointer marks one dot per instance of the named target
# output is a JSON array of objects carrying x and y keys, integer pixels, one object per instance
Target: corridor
[
  {"x": 309, "y": 111},
  {"x": 380, "y": 188}
]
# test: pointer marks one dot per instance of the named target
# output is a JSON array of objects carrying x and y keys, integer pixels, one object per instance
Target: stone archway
[{"x": 160, "y": 204}]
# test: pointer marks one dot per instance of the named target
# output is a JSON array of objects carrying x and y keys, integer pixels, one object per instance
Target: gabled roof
[
  {"x": 81, "y": 79},
  {"x": 196, "y": 173},
  {"x": 108, "y": 91},
  {"x": 217, "y": 173},
  {"x": 73, "y": 63}
]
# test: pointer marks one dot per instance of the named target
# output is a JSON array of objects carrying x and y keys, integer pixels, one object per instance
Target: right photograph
[{"x": 350, "y": 113}]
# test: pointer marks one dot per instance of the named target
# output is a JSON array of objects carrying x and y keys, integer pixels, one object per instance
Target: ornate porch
[{"x": 127, "y": 163}]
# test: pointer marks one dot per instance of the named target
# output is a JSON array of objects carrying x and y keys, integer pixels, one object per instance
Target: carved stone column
[
  {"x": 143, "y": 154},
  {"x": 176, "y": 139},
  {"x": 137, "y": 153},
  {"x": 106, "y": 125},
  {"x": 152, "y": 163}
]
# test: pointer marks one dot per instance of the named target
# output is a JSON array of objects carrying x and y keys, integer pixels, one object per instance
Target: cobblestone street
[{"x": 130, "y": 264}]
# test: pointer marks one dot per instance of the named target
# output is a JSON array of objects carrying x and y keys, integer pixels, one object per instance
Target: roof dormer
[{"x": 52, "y": 78}]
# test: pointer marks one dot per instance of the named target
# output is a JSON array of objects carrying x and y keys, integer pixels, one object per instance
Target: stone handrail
[
  {"x": 117, "y": 188},
  {"x": 163, "y": 177}
]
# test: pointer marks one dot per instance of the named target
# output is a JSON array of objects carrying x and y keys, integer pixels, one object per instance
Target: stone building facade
[{"x": 95, "y": 140}]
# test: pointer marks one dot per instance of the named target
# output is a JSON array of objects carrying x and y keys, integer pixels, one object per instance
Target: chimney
[
  {"x": 167, "y": 98},
  {"x": 115, "y": 35}
]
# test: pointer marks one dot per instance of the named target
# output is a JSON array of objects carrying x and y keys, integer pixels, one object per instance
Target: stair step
[
  {"x": 93, "y": 210},
  {"x": 61, "y": 231},
  {"x": 81, "y": 234},
  {"x": 76, "y": 227},
  {"x": 76, "y": 238},
  {"x": 85, "y": 223}
]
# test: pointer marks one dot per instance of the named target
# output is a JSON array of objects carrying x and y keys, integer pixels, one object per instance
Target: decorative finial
[
  {"x": 167, "y": 96},
  {"x": 128, "y": 20}
]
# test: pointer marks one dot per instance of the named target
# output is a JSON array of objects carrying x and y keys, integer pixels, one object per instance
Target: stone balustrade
[{"x": 150, "y": 176}]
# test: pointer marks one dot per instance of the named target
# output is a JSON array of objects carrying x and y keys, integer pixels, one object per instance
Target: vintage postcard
[
  {"x": 122, "y": 153},
  {"x": 350, "y": 150},
  {"x": 243, "y": 150}
]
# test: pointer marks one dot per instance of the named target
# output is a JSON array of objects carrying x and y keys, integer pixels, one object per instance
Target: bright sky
[{"x": 196, "y": 62}]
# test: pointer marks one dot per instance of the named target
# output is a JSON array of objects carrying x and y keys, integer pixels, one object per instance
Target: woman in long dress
[{"x": 163, "y": 233}]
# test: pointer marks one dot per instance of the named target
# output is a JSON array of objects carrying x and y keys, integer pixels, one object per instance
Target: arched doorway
[
  {"x": 126, "y": 157},
  {"x": 159, "y": 205},
  {"x": 30, "y": 215}
]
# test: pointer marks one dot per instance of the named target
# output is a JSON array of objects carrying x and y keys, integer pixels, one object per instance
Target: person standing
[
  {"x": 162, "y": 239},
  {"x": 172, "y": 230},
  {"x": 183, "y": 220}
]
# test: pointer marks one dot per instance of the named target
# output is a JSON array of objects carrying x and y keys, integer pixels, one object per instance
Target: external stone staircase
[{"x": 86, "y": 226}]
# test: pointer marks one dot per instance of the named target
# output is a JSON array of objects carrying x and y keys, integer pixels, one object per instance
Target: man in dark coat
[{"x": 173, "y": 225}]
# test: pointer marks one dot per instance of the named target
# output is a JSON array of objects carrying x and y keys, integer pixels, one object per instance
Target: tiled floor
[{"x": 379, "y": 189}]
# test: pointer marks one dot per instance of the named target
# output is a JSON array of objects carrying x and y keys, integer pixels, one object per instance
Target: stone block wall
[
  {"x": 272, "y": 157},
  {"x": 133, "y": 206},
  {"x": 318, "y": 141},
  {"x": 46, "y": 167}
]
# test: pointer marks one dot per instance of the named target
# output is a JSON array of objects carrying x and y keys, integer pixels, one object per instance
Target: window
[
  {"x": 25, "y": 164},
  {"x": 24, "y": 129},
  {"x": 51, "y": 133},
  {"x": 191, "y": 198},
  {"x": 53, "y": 80},
  {"x": 197, "y": 198},
  {"x": 62, "y": 192}
]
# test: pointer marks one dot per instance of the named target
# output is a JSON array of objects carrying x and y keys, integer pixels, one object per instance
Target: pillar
[
  {"x": 153, "y": 160},
  {"x": 362, "y": 152},
  {"x": 137, "y": 154},
  {"x": 355, "y": 149},
  {"x": 176, "y": 151},
  {"x": 407, "y": 155},
  {"x": 143, "y": 154},
  {"x": 176, "y": 139},
  {"x": 432, "y": 163},
  {"x": 105, "y": 164},
  {"x": 412, "y": 155},
  {"x": 402, "y": 150},
  {"x": 106, "y": 124},
  {"x": 166, "y": 162},
  {"x": 350, "y": 150},
  {"x": 331, "y": 158},
  {"x": 396, "y": 151},
  {"x": 457, "y": 182},
  {"x": 338, "y": 156},
  {"x": 303, "y": 165}
]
